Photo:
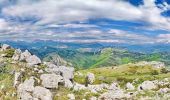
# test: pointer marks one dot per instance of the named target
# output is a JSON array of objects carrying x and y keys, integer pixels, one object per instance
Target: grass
[{"x": 123, "y": 74}]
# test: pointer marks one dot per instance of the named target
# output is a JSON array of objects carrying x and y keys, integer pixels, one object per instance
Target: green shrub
[
  {"x": 3, "y": 68},
  {"x": 9, "y": 52},
  {"x": 164, "y": 70},
  {"x": 154, "y": 72}
]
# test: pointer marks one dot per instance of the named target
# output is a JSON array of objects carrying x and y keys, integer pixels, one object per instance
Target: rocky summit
[{"x": 24, "y": 76}]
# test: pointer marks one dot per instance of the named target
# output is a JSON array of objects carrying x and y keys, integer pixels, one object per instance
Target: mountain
[{"x": 92, "y": 55}]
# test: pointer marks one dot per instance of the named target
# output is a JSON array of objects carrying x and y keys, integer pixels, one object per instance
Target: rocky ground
[{"x": 23, "y": 76}]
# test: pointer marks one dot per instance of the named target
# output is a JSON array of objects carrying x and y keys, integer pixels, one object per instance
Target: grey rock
[
  {"x": 25, "y": 96},
  {"x": 33, "y": 60},
  {"x": 114, "y": 86},
  {"x": 68, "y": 83},
  {"x": 42, "y": 93},
  {"x": 97, "y": 88},
  {"x": 147, "y": 85},
  {"x": 66, "y": 72},
  {"x": 51, "y": 80},
  {"x": 78, "y": 87},
  {"x": 17, "y": 54},
  {"x": 130, "y": 86},
  {"x": 71, "y": 96},
  {"x": 5, "y": 47},
  {"x": 113, "y": 95},
  {"x": 90, "y": 78},
  {"x": 17, "y": 78},
  {"x": 25, "y": 55},
  {"x": 24, "y": 89}
]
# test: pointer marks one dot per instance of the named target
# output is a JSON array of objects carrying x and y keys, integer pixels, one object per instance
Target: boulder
[
  {"x": 28, "y": 85},
  {"x": 129, "y": 86},
  {"x": 71, "y": 96},
  {"x": 97, "y": 88},
  {"x": 68, "y": 84},
  {"x": 113, "y": 95},
  {"x": 90, "y": 78},
  {"x": 5, "y": 47},
  {"x": 52, "y": 68},
  {"x": 25, "y": 55},
  {"x": 51, "y": 80},
  {"x": 42, "y": 93},
  {"x": 17, "y": 54},
  {"x": 114, "y": 86},
  {"x": 147, "y": 85},
  {"x": 66, "y": 72},
  {"x": 25, "y": 88},
  {"x": 78, "y": 87},
  {"x": 33, "y": 60},
  {"x": 17, "y": 78},
  {"x": 25, "y": 96},
  {"x": 164, "y": 90}
]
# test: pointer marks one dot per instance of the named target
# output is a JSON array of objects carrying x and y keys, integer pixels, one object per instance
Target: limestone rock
[
  {"x": 68, "y": 83},
  {"x": 129, "y": 86},
  {"x": 33, "y": 60},
  {"x": 5, "y": 47},
  {"x": 42, "y": 93},
  {"x": 24, "y": 89},
  {"x": 25, "y": 96},
  {"x": 17, "y": 54},
  {"x": 147, "y": 85},
  {"x": 28, "y": 85},
  {"x": 25, "y": 55},
  {"x": 78, "y": 87},
  {"x": 66, "y": 72},
  {"x": 90, "y": 78},
  {"x": 17, "y": 78},
  {"x": 113, "y": 95},
  {"x": 71, "y": 96},
  {"x": 51, "y": 80},
  {"x": 114, "y": 86}
]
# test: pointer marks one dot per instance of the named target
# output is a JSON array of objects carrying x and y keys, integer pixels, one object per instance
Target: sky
[{"x": 86, "y": 21}]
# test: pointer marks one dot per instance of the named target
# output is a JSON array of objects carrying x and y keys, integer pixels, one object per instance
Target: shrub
[
  {"x": 9, "y": 52},
  {"x": 3, "y": 68},
  {"x": 154, "y": 72},
  {"x": 164, "y": 70}
]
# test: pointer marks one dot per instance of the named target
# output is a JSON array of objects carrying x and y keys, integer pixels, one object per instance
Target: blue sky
[{"x": 86, "y": 21}]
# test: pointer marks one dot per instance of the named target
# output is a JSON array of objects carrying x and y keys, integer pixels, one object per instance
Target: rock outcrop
[
  {"x": 17, "y": 55},
  {"x": 5, "y": 47},
  {"x": 42, "y": 93},
  {"x": 147, "y": 85},
  {"x": 51, "y": 80},
  {"x": 33, "y": 60},
  {"x": 90, "y": 78}
]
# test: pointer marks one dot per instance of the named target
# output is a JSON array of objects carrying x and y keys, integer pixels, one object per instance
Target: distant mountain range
[
  {"x": 92, "y": 55},
  {"x": 144, "y": 48}
]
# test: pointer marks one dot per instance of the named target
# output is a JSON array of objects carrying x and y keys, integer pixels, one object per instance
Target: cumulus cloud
[{"x": 53, "y": 19}]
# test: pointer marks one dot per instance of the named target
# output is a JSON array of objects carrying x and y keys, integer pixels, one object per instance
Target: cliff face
[{"x": 24, "y": 76}]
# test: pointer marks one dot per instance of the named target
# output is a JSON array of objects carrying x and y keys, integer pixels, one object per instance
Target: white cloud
[
  {"x": 63, "y": 11},
  {"x": 60, "y": 14},
  {"x": 60, "y": 11}
]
